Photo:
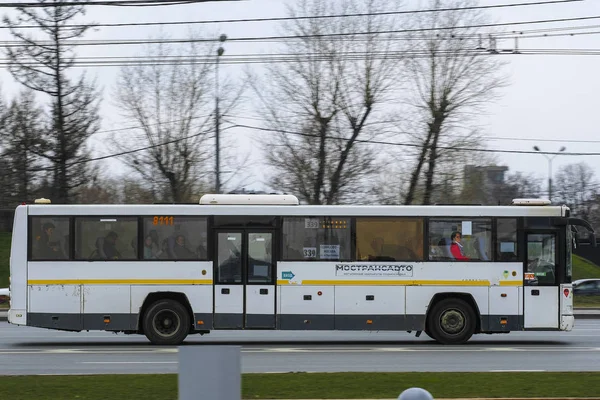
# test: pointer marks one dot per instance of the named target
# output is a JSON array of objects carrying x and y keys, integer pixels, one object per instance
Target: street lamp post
[
  {"x": 536, "y": 148},
  {"x": 220, "y": 52}
]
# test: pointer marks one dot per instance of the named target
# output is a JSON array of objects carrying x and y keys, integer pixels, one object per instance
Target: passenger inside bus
[
  {"x": 456, "y": 248},
  {"x": 45, "y": 247},
  {"x": 106, "y": 247},
  {"x": 180, "y": 249}
]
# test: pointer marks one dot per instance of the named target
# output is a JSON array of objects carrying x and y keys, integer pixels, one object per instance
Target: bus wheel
[
  {"x": 452, "y": 321},
  {"x": 166, "y": 322},
  {"x": 428, "y": 331}
]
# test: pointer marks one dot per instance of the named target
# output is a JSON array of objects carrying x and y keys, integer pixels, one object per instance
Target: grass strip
[
  {"x": 311, "y": 386},
  {"x": 5, "y": 239},
  {"x": 586, "y": 301}
]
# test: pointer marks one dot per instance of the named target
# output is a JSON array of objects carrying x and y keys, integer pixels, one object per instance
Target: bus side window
[
  {"x": 175, "y": 238},
  {"x": 106, "y": 238},
  {"x": 453, "y": 239},
  {"x": 316, "y": 238},
  {"x": 389, "y": 239},
  {"x": 506, "y": 245},
  {"x": 50, "y": 238}
]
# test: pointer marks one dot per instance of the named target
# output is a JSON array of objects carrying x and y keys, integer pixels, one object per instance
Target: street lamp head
[
  {"x": 222, "y": 38},
  {"x": 220, "y": 51},
  {"x": 536, "y": 148},
  {"x": 563, "y": 148}
]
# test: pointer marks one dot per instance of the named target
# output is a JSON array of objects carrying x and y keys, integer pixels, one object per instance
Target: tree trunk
[
  {"x": 322, "y": 160},
  {"x": 435, "y": 129},
  {"x": 414, "y": 179}
]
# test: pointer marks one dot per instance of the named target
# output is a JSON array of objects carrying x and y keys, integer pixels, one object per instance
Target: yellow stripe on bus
[
  {"x": 399, "y": 282},
  {"x": 120, "y": 282},
  {"x": 279, "y": 282}
]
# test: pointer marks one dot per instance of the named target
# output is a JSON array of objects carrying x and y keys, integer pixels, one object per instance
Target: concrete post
[{"x": 210, "y": 373}]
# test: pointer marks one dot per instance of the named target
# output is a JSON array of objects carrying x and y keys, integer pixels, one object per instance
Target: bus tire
[
  {"x": 452, "y": 321},
  {"x": 166, "y": 322}
]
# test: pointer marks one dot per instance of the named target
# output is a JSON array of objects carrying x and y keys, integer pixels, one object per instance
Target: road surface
[{"x": 26, "y": 350}]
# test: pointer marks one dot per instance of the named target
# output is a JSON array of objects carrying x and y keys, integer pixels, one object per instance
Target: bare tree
[
  {"x": 173, "y": 103},
  {"x": 449, "y": 184},
  {"x": 22, "y": 139},
  {"x": 453, "y": 78},
  {"x": 318, "y": 104},
  {"x": 43, "y": 66},
  {"x": 577, "y": 187},
  {"x": 100, "y": 189},
  {"x": 519, "y": 185}
]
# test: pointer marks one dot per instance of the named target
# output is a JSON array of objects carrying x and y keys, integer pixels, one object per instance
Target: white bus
[{"x": 251, "y": 262}]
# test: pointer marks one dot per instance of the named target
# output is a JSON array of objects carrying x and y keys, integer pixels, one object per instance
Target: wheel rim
[
  {"x": 166, "y": 323},
  {"x": 453, "y": 322}
]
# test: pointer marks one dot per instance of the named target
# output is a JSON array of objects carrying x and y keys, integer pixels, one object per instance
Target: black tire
[
  {"x": 428, "y": 331},
  {"x": 451, "y": 321},
  {"x": 166, "y": 322}
]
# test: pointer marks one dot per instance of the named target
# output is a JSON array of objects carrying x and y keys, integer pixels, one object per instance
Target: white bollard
[
  {"x": 415, "y": 394},
  {"x": 210, "y": 373}
]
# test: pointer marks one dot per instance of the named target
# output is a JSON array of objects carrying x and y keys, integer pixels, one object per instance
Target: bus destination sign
[{"x": 360, "y": 269}]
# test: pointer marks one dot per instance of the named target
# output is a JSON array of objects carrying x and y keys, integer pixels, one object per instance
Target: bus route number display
[
  {"x": 311, "y": 223},
  {"x": 163, "y": 221}
]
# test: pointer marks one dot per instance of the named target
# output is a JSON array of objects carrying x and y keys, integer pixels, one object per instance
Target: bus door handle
[{"x": 535, "y": 292}]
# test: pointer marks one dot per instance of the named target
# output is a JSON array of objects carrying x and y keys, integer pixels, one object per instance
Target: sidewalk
[{"x": 580, "y": 313}]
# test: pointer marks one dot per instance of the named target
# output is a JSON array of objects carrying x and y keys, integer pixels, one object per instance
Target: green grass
[
  {"x": 310, "y": 386},
  {"x": 584, "y": 269},
  {"x": 586, "y": 301},
  {"x": 4, "y": 258}
]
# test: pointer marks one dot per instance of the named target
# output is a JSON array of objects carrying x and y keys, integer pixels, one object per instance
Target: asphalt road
[{"x": 36, "y": 351}]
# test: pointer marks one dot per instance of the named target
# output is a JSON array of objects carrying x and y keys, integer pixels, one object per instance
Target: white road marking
[
  {"x": 83, "y": 351},
  {"x": 128, "y": 362}
]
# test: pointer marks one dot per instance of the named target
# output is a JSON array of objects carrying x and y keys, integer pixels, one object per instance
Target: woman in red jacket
[{"x": 456, "y": 248}]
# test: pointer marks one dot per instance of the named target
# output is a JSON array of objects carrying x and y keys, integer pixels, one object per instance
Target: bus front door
[
  {"x": 541, "y": 288},
  {"x": 244, "y": 289}
]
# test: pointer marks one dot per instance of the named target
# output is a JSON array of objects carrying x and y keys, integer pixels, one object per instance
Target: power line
[
  {"x": 305, "y": 58},
  {"x": 122, "y": 3},
  {"x": 541, "y": 140},
  {"x": 260, "y": 119},
  {"x": 370, "y": 141},
  {"x": 364, "y": 141},
  {"x": 483, "y": 136},
  {"x": 289, "y": 37},
  {"x": 542, "y": 30},
  {"x": 274, "y": 19}
]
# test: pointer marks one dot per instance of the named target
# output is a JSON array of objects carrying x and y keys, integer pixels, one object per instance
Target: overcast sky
[{"x": 549, "y": 97}]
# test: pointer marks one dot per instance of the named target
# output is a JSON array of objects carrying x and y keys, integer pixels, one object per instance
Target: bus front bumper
[{"x": 567, "y": 322}]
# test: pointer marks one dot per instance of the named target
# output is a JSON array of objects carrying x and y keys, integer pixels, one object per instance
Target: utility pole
[
  {"x": 536, "y": 148},
  {"x": 220, "y": 52}
]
